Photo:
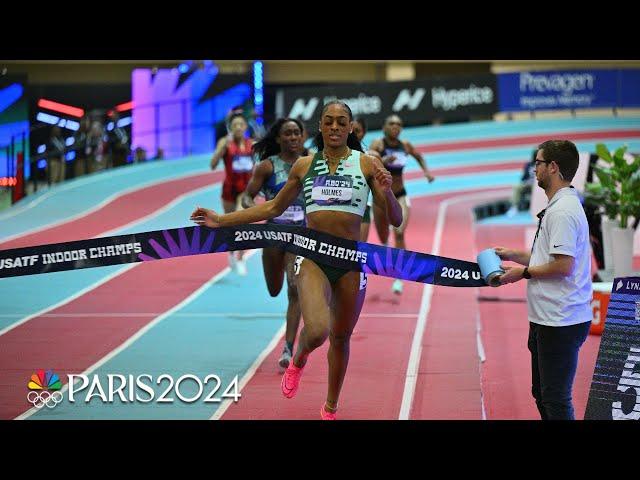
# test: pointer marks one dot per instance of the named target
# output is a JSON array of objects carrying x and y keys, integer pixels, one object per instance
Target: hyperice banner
[
  {"x": 615, "y": 388},
  {"x": 415, "y": 101},
  {"x": 162, "y": 244}
]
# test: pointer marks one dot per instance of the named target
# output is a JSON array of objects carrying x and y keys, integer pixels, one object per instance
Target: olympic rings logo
[{"x": 45, "y": 398}]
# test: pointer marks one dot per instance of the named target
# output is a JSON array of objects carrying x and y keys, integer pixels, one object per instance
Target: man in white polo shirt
[{"x": 558, "y": 271}]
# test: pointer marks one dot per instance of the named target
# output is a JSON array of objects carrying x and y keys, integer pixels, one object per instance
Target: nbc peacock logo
[{"x": 44, "y": 388}]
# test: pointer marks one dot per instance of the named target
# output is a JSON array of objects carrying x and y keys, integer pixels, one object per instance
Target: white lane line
[
  {"x": 226, "y": 403},
  {"x": 411, "y": 379},
  {"x": 482, "y": 357},
  {"x": 481, "y": 354}
]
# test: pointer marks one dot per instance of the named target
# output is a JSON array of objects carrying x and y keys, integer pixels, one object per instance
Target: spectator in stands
[
  {"x": 81, "y": 162},
  {"x": 159, "y": 154},
  {"x": 96, "y": 147},
  {"x": 118, "y": 142},
  {"x": 55, "y": 156},
  {"x": 518, "y": 201},
  {"x": 140, "y": 155}
]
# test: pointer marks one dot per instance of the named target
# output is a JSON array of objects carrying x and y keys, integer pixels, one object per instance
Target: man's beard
[{"x": 541, "y": 184}]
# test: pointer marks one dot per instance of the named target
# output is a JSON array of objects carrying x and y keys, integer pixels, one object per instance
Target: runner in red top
[{"x": 235, "y": 148}]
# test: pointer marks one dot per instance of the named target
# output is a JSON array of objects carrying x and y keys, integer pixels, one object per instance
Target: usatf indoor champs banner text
[{"x": 163, "y": 244}]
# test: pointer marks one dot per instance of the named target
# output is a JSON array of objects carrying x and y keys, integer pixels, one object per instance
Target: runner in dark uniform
[
  {"x": 395, "y": 153},
  {"x": 278, "y": 150}
]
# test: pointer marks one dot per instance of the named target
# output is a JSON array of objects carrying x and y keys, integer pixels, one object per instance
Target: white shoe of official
[{"x": 397, "y": 287}]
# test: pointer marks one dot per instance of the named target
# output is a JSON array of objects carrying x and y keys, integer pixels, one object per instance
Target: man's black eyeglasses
[{"x": 538, "y": 162}]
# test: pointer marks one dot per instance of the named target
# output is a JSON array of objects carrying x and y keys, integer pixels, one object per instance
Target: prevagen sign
[
  {"x": 548, "y": 90},
  {"x": 564, "y": 84}
]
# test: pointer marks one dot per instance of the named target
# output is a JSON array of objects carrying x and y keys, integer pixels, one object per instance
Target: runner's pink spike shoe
[
  {"x": 291, "y": 380},
  {"x": 324, "y": 415}
]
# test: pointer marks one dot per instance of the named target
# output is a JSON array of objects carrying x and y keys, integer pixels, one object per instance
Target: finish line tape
[{"x": 179, "y": 242}]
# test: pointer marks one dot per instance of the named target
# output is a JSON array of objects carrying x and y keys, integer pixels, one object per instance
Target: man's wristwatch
[{"x": 525, "y": 273}]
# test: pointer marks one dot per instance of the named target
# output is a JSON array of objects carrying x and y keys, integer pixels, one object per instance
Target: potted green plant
[{"x": 617, "y": 197}]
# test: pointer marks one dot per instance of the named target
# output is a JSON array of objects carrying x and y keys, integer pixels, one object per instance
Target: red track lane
[
  {"x": 71, "y": 345},
  {"x": 506, "y": 373},
  {"x": 448, "y": 385},
  {"x": 380, "y": 348},
  {"x": 122, "y": 210},
  {"x": 532, "y": 140}
]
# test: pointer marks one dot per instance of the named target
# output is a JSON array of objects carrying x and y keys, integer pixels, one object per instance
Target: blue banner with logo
[
  {"x": 570, "y": 89},
  {"x": 630, "y": 88},
  {"x": 615, "y": 387}
]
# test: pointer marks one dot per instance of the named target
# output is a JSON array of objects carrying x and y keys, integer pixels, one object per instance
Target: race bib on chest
[
  {"x": 332, "y": 190},
  {"x": 293, "y": 214},
  {"x": 242, "y": 163}
]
